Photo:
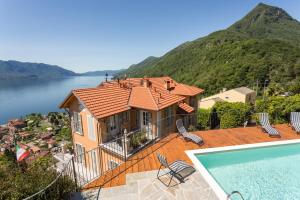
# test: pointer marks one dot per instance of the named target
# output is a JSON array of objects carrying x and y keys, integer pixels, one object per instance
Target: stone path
[{"x": 145, "y": 186}]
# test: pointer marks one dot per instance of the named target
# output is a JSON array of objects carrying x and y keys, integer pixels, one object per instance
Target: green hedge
[
  {"x": 279, "y": 107},
  {"x": 204, "y": 118},
  {"x": 228, "y": 120},
  {"x": 232, "y": 114}
]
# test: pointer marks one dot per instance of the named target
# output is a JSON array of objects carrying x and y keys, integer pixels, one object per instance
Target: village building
[{"x": 241, "y": 94}]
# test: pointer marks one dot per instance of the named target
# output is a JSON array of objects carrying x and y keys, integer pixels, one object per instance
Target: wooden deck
[{"x": 174, "y": 147}]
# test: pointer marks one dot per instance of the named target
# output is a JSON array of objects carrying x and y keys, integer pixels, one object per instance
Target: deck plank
[{"x": 174, "y": 147}]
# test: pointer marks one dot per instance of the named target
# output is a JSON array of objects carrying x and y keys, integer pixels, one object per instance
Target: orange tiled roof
[
  {"x": 104, "y": 101},
  {"x": 185, "y": 107},
  {"x": 159, "y": 82},
  {"x": 118, "y": 96},
  {"x": 152, "y": 98}
]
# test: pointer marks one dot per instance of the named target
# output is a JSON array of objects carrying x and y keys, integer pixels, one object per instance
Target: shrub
[
  {"x": 237, "y": 112},
  {"x": 279, "y": 107},
  {"x": 204, "y": 118},
  {"x": 228, "y": 120},
  {"x": 21, "y": 181}
]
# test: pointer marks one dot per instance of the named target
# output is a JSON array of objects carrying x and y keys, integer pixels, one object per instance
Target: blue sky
[{"x": 94, "y": 35}]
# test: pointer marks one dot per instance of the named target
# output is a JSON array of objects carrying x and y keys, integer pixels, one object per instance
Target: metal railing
[
  {"x": 235, "y": 192},
  {"x": 92, "y": 164}
]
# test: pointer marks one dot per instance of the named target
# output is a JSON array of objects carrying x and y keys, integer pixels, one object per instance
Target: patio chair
[
  {"x": 295, "y": 121},
  {"x": 178, "y": 169},
  {"x": 188, "y": 136},
  {"x": 266, "y": 126}
]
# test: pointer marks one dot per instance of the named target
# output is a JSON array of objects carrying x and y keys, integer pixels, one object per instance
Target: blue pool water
[{"x": 267, "y": 173}]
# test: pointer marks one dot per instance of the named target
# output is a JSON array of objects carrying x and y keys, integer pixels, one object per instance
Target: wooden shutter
[
  {"x": 80, "y": 124},
  {"x": 91, "y": 128}
]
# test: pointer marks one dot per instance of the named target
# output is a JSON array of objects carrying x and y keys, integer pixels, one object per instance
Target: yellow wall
[
  {"x": 83, "y": 139},
  {"x": 228, "y": 96}
]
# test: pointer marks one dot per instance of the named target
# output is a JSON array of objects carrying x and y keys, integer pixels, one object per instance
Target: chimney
[
  {"x": 146, "y": 82},
  {"x": 106, "y": 75},
  {"x": 167, "y": 85}
]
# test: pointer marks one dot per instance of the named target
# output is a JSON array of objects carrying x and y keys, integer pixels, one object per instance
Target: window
[
  {"x": 146, "y": 118},
  {"x": 77, "y": 126},
  {"x": 137, "y": 118},
  {"x": 91, "y": 128},
  {"x": 113, "y": 122},
  {"x": 112, "y": 164},
  {"x": 124, "y": 116},
  {"x": 169, "y": 117},
  {"x": 94, "y": 163},
  {"x": 80, "y": 153}
]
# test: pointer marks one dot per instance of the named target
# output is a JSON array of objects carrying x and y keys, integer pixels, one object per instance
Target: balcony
[{"x": 127, "y": 144}]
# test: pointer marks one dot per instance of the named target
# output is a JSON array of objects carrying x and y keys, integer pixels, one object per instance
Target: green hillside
[{"x": 262, "y": 45}]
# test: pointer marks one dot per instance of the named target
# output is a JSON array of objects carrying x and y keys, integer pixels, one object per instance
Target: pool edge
[{"x": 220, "y": 193}]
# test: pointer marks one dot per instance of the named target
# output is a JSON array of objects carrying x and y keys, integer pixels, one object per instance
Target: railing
[
  {"x": 235, "y": 192},
  {"x": 85, "y": 167},
  {"x": 129, "y": 143}
]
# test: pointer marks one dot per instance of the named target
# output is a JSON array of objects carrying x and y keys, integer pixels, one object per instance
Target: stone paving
[{"x": 146, "y": 186}]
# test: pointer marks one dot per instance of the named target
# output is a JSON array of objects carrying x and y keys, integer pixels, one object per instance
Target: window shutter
[
  {"x": 91, "y": 131},
  {"x": 79, "y": 124},
  {"x": 72, "y": 122}
]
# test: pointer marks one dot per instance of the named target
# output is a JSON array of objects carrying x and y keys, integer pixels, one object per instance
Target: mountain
[
  {"x": 16, "y": 70},
  {"x": 102, "y": 73},
  {"x": 265, "y": 44},
  {"x": 147, "y": 63}
]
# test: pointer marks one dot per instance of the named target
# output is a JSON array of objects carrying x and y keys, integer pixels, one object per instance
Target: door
[
  {"x": 95, "y": 163},
  {"x": 80, "y": 153},
  {"x": 113, "y": 125},
  {"x": 146, "y": 119}
]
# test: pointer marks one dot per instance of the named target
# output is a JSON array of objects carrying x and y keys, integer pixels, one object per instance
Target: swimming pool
[{"x": 264, "y": 171}]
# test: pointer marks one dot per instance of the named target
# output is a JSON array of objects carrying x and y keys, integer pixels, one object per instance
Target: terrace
[{"x": 174, "y": 147}]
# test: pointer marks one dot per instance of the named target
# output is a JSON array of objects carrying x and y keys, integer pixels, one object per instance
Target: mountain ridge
[
  {"x": 12, "y": 69},
  {"x": 264, "y": 44}
]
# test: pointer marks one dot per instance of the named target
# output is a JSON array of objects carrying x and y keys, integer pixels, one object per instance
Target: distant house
[
  {"x": 241, "y": 94},
  {"x": 46, "y": 136},
  {"x": 16, "y": 124},
  {"x": 25, "y": 135},
  {"x": 144, "y": 106}
]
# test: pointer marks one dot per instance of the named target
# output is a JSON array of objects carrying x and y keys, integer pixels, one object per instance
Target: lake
[{"x": 21, "y": 97}]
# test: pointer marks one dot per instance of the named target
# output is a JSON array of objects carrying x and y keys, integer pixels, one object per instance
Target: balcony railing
[{"x": 129, "y": 143}]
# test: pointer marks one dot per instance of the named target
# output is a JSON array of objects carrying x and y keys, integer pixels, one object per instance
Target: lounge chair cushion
[
  {"x": 179, "y": 165},
  {"x": 193, "y": 137},
  {"x": 265, "y": 123},
  {"x": 271, "y": 130},
  {"x": 182, "y": 131},
  {"x": 295, "y": 121}
]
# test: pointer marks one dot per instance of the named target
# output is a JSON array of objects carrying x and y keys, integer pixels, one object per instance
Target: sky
[{"x": 92, "y": 35}]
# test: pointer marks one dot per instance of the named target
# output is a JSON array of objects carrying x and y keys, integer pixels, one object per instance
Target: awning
[{"x": 186, "y": 107}]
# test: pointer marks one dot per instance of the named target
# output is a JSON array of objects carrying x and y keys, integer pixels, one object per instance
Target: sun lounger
[
  {"x": 295, "y": 121},
  {"x": 266, "y": 126},
  {"x": 187, "y": 136}
]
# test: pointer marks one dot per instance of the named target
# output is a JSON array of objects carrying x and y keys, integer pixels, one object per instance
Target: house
[
  {"x": 46, "y": 136},
  {"x": 122, "y": 116},
  {"x": 16, "y": 124},
  {"x": 241, "y": 94},
  {"x": 25, "y": 135}
]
